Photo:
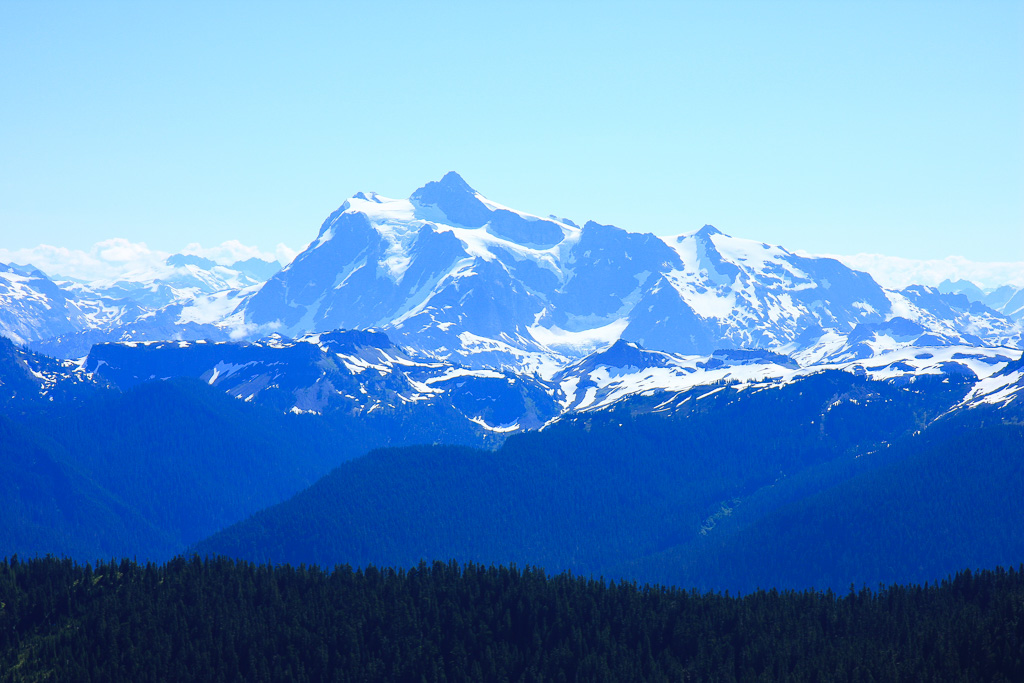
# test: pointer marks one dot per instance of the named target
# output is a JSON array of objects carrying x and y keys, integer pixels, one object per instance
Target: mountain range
[
  {"x": 457, "y": 276},
  {"x": 649, "y": 465},
  {"x": 593, "y": 399},
  {"x": 1007, "y": 299},
  {"x": 510, "y": 319},
  {"x": 452, "y": 273},
  {"x": 65, "y": 316}
]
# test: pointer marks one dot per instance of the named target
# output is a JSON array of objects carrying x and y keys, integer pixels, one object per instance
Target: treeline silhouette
[{"x": 223, "y": 620}]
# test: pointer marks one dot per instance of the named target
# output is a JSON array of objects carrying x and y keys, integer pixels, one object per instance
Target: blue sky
[{"x": 894, "y": 128}]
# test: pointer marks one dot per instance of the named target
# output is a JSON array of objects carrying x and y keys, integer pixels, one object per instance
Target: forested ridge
[
  {"x": 224, "y": 620},
  {"x": 148, "y": 471},
  {"x": 819, "y": 484}
]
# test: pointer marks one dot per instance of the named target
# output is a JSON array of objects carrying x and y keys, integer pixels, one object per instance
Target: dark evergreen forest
[{"x": 221, "y": 620}]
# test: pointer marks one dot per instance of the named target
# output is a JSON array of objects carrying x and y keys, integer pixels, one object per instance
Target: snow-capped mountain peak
[
  {"x": 451, "y": 272},
  {"x": 453, "y": 202},
  {"x": 460, "y": 277}
]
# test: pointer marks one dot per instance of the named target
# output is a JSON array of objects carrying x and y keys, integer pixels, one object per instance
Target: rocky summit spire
[
  {"x": 455, "y": 198},
  {"x": 709, "y": 231}
]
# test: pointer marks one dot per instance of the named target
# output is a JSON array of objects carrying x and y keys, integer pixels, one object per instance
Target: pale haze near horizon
[{"x": 884, "y": 128}]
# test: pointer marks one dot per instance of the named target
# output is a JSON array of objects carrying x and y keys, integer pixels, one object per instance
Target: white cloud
[
  {"x": 285, "y": 254},
  {"x": 107, "y": 260},
  {"x": 118, "y": 258},
  {"x": 896, "y": 272}
]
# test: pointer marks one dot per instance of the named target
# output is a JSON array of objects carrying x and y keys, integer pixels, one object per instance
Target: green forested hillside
[
  {"x": 193, "y": 620},
  {"x": 947, "y": 499},
  {"x": 146, "y": 472},
  {"x": 824, "y": 483}
]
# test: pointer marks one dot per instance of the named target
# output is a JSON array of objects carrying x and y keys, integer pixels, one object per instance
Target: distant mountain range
[
  {"x": 64, "y": 317},
  {"x": 510, "y": 320},
  {"x": 349, "y": 372},
  {"x": 698, "y": 409},
  {"x": 453, "y": 274},
  {"x": 649, "y": 464},
  {"x": 1008, "y": 300},
  {"x": 457, "y": 276},
  {"x": 360, "y": 373}
]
